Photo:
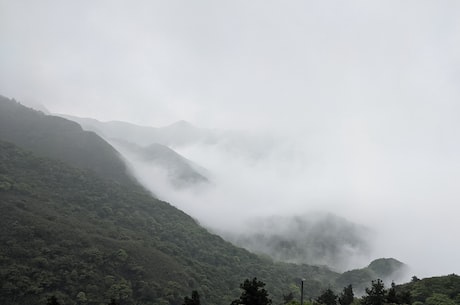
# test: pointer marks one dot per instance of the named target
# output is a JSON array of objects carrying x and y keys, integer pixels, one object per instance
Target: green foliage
[
  {"x": 253, "y": 293},
  {"x": 71, "y": 234},
  {"x": 288, "y": 298},
  {"x": 434, "y": 289},
  {"x": 328, "y": 297},
  {"x": 346, "y": 297},
  {"x": 378, "y": 295},
  {"x": 75, "y": 226},
  {"x": 61, "y": 139},
  {"x": 375, "y": 294},
  {"x": 439, "y": 299},
  {"x": 391, "y": 294},
  {"x": 386, "y": 268}
]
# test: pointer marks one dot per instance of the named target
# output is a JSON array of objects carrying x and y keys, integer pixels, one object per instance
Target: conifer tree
[
  {"x": 376, "y": 295},
  {"x": 328, "y": 297},
  {"x": 253, "y": 293},
  {"x": 391, "y": 295},
  {"x": 347, "y": 296}
]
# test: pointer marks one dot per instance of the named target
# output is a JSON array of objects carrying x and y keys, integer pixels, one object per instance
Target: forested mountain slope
[
  {"x": 69, "y": 232},
  {"x": 74, "y": 231},
  {"x": 75, "y": 225},
  {"x": 434, "y": 290},
  {"x": 387, "y": 269},
  {"x": 59, "y": 138}
]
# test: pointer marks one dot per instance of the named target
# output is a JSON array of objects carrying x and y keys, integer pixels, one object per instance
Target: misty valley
[
  {"x": 115, "y": 213},
  {"x": 206, "y": 152}
]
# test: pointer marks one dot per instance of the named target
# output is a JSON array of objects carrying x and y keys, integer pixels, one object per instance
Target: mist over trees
[
  {"x": 79, "y": 236},
  {"x": 314, "y": 238}
]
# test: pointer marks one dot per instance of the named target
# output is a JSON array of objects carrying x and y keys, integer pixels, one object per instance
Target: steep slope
[
  {"x": 72, "y": 230},
  {"x": 75, "y": 225},
  {"x": 180, "y": 171},
  {"x": 72, "y": 234},
  {"x": 61, "y": 139}
]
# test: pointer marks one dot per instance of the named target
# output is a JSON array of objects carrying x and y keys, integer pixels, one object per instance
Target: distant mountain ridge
[
  {"x": 152, "y": 146},
  {"x": 181, "y": 172},
  {"x": 181, "y": 134},
  {"x": 386, "y": 269},
  {"x": 175, "y": 135}
]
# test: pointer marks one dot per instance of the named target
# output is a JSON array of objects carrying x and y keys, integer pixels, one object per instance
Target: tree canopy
[{"x": 253, "y": 293}]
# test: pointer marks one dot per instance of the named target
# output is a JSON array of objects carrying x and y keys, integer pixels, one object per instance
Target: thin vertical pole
[{"x": 301, "y": 293}]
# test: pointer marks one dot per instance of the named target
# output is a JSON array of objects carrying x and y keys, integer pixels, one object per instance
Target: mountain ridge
[
  {"x": 75, "y": 231},
  {"x": 60, "y": 138}
]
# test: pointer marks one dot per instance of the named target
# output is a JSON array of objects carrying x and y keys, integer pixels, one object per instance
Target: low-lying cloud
[{"x": 382, "y": 192}]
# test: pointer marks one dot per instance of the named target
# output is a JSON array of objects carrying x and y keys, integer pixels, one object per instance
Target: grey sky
[
  {"x": 244, "y": 63},
  {"x": 370, "y": 87}
]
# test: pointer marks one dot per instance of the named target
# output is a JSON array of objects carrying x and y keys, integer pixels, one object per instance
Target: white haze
[{"x": 366, "y": 92}]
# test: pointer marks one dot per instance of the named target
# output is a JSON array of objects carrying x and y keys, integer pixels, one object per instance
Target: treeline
[
  {"x": 254, "y": 294},
  {"x": 436, "y": 291}
]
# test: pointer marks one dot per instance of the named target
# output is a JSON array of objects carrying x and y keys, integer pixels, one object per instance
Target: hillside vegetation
[
  {"x": 388, "y": 269},
  {"x": 59, "y": 138},
  {"x": 434, "y": 290},
  {"x": 87, "y": 232},
  {"x": 72, "y": 231}
]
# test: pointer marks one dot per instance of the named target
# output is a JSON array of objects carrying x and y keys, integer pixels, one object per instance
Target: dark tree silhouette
[
  {"x": 113, "y": 302},
  {"x": 328, "y": 297},
  {"x": 253, "y": 293},
  {"x": 391, "y": 295},
  {"x": 376, "y": 295},
  {"x": 195, "y": 300},
  {"x": 346, "y": 296},
  {"x": 52, "y": 301}
]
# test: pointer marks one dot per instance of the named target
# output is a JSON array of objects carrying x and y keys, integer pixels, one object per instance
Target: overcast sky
[{"x": 372, "y": 88}]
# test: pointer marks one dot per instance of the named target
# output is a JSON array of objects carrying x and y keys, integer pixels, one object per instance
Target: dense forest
[{"x": 76, "y": 226}]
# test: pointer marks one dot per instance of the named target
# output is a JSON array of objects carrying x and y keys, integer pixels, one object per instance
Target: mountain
[
  {"x": 387, "y": 269},
  {"x": 73, "y": 231},
  {"x": 86, "y": 232},
  {"x": 315, "y": 238},
  {"x": 148, "y": 146},
  {"x": 60, "y": 138},
  {"x": 178, "y": 134},
  {"x": 180, "y": 171},
  {"x": 183, "y": 134}
]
